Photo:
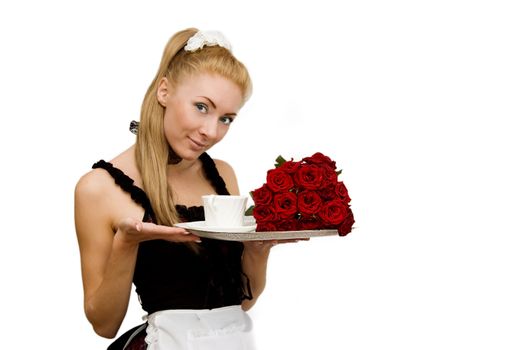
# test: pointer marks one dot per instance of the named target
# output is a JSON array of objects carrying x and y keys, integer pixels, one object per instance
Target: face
[{"x": 198, "y": 112}]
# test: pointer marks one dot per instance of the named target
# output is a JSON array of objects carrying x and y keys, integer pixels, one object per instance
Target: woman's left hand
[{"x": 264, "y": 246}]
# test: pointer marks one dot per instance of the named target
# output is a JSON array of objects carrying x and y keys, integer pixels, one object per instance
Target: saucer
[{"x": 203, "y": 227}]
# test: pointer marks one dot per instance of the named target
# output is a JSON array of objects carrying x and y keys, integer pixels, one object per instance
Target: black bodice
[{"x": 170, "y": 275}]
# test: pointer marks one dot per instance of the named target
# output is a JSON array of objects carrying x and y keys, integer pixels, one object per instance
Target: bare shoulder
[
  {"x": 93, "y": 185},
  {"x": 98, "y": 183},
  {"x": 223, "y": 167},
  {"x": 228, "y": 174},
  {"x": 94, "y": 195}
]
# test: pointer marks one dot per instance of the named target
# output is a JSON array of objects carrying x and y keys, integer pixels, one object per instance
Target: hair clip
[{"x": 134, "y": 127}]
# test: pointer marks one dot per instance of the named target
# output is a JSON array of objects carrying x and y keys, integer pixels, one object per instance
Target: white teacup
[{"x": 224, "y": 210}]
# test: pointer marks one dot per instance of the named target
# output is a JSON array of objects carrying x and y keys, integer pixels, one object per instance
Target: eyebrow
[{"x": 214, "y": 105}]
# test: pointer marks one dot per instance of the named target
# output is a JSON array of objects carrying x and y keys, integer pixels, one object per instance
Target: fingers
[
  {"x": 161, "y": 229},
  {"x": 170, "y": 233},
  {"x": 266, "y": 243},
  {"x": 288, "y": 241},
  {"x": 273, "y": 242},
  {"x": 144, "y": 231}
]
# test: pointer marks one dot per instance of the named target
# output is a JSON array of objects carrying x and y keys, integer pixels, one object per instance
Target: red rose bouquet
[{"x": 303, "y": 195}]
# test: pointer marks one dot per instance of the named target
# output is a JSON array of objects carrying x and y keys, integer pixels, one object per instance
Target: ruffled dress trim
[{"x": 126, "y": 183}]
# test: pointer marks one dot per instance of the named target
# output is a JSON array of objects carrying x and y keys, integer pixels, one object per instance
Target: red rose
[
  {"x": 309, "y": 177},
  {"x": 330, "y": 178},
  {"x": 262, "y": 195},
  {"x": 265, "y": 226},
  {"x": 309, "y": 202},
  {"x": 309, "y": 223},
  {"x": 287, "y": 225},
  {"x": 333, "y": 212},
  {"x": 321, "y": 160},
  {"x": 341, "y": 192},
  {"x": 346, "y": 226},
  {"x": 264, "y": 213},
  {"x": 290, "y": 166},
  {"x": 328, "y": 193},
  {"x": 328, "y": 166},
  {"x": 278, "y": 180},
  {"x": 285, "y": 205}
]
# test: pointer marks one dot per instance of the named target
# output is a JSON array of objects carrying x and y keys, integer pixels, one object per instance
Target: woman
[{"x": 195, "y": 292}]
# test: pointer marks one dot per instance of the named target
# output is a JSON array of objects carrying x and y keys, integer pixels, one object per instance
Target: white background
[{"x": 419, "y": 102}]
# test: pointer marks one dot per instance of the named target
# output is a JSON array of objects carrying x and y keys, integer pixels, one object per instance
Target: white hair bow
[{"x": 207, "y": 38}]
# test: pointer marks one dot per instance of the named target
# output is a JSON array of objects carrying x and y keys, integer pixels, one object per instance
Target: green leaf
[
  {"x": 279, "y": 161},
  {"x": 339, "y": 172},
  {"x": 249, "y": 211}
]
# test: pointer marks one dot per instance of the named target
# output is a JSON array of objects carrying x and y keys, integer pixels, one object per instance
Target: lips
[{"x": 196, "y": 144}]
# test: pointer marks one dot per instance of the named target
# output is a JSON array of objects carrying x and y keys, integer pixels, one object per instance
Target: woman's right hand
[{"x": 132, "y": 231}]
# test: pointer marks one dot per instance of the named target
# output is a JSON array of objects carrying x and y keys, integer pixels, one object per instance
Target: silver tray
[{"x": 261, "y": 236}]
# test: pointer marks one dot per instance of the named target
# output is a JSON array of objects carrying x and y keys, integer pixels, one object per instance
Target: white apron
[{"x": 227, "y": 327}]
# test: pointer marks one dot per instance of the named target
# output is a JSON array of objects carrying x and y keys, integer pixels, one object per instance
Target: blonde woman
[{"x": 195, "y": 292}]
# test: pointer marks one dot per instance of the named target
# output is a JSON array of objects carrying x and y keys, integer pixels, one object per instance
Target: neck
[{"x": 183, "y": 165}]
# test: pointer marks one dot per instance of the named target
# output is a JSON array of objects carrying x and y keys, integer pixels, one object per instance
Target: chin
[{"x": 191, "y": 155}]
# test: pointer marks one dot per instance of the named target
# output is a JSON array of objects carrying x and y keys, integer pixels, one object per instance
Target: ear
[{"x": 163, "y": 91}]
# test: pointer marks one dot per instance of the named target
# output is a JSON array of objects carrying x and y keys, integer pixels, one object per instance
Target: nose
[{"x": 209, "y": 128}]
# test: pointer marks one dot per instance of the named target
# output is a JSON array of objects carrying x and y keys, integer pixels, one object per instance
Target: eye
[
  {"x": 201, "y": 107},
  {"x": 226, "y": 120}
]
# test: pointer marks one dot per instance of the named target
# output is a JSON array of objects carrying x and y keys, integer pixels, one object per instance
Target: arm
[
  {"x": 108, "y": 248},
  {"x": 254, "y": 264},
  {"x": 107, "y": 263},
  {"x": 255, "y": 254}
]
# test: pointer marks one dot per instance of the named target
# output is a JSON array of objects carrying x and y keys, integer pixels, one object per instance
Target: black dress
[{"x": 169, "y": 275}]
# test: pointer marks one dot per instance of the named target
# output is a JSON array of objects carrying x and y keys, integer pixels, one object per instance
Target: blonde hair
[{"x": 152, "y": 149}]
